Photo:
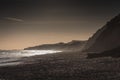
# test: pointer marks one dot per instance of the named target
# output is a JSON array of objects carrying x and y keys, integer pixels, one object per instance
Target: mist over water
[{"x": 15, "y": 57}]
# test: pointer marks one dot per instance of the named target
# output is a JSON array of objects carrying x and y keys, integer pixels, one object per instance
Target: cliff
[{"x": 106, "y": 38}]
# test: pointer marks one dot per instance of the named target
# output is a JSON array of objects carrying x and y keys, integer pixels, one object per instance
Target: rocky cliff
[{"x": 106, "y": 38}]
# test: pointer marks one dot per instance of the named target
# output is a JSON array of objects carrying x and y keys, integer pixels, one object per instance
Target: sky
[{"x": 25, "y": 23}]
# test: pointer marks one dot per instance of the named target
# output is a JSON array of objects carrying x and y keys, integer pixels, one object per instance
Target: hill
[
  {"x": 106, "y": 38},
  {"x": 70, "y": 46}
]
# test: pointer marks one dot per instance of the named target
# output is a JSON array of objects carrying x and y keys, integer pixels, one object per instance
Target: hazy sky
[{"x": 26, "y": 23}]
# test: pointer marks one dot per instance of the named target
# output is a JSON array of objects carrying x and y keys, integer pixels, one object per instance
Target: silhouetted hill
[
  {"x": 106, "y": 38},
  {"x": 70, "y": 46}
]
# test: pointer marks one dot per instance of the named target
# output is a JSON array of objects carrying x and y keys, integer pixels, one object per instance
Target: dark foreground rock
[
  {"x": 115, "y": 53},
  {"x": 63, "y": 66}
]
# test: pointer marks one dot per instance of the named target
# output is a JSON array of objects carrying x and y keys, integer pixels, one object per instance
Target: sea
[{"x": 15, "y": 57}]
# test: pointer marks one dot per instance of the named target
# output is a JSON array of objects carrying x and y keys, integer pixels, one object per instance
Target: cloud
[{"x": 14, "y": 19}]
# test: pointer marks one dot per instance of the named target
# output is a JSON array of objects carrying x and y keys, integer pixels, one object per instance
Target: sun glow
[
  {"x": 28, "y": 53},
  {"x": 15, "y": 57}
]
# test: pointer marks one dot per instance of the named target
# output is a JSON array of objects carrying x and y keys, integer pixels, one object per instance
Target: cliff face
[
  {"x": 106, "y": 38},
  {"x": 70, "y": 46},
  {"x": 92, "y": 39}
]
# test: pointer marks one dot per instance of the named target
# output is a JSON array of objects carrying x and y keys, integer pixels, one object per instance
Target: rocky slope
[{"x": 106, "y": 38}]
